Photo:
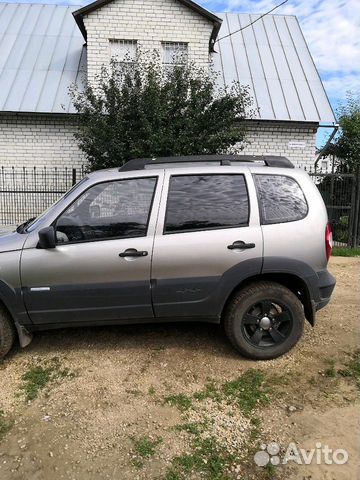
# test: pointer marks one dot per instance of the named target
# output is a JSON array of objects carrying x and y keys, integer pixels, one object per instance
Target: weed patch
[
  {"x": 181, "y": 401},
  {"x": 37, "y": 377},
  {"x": 207, "y": 460},
  {"x": 352, "y": 368},
  {"x": 144, "y": 448},
  {"x": 247, "y": 391},
  {"x": 330, "y": 371},
  {"x": 5, "y": 424}
]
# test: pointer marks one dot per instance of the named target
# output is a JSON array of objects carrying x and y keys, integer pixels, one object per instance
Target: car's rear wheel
[
  {"x": 7, "y": 332},
  {"x": 264, "y": 320}
]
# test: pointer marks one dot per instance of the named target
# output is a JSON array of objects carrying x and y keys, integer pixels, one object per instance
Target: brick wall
[
  {"x": 38, "y": 140},
  {"x": 150, "y": 23},
  {"x": 296, "y": 141}
]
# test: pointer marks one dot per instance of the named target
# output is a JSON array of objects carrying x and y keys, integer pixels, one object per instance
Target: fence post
[
  {"x": 351, "y": 232},
  {"x": 356, "y": 237},
  {"x": 73, "y": 176}
]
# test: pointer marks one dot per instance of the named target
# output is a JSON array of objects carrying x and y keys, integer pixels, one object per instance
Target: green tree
[
  {"x": 346, "y": 146},
  {"x": 139, "y": 111}
]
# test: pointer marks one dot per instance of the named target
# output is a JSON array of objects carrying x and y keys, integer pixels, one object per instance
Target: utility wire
[{"x": 252, "y": 23}]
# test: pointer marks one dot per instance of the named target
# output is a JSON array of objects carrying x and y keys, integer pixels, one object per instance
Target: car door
[
  {"x": 100, "y": 268},
  {"x": 207, "y": 241}
]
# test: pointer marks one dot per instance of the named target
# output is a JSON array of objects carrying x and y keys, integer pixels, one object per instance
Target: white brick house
[{"x": 45, "y": 48}]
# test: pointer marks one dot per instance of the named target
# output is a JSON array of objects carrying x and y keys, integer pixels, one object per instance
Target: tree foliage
[
  {"x": 346, "y": 146},
  {"x": 139, "y": 111}
]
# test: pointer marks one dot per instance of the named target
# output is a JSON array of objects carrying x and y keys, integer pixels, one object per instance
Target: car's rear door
[
  {"x": 100, "y": 268},
  {"x": 208, "y": 239}
]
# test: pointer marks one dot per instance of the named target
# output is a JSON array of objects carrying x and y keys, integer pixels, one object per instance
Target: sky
[{"x": 331, "y": 29}]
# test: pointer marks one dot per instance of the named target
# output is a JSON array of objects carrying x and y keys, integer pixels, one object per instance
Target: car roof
[
  {"x": 223, "y": 160},
  {"x": 271, "y": 162}
]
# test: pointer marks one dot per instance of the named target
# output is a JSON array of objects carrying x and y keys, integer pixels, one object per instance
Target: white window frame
[
  {"x": 123, "y": 52},
  {"x": 179, "y": 56}
]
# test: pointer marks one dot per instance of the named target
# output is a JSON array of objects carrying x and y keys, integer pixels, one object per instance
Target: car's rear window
[{"x": 280, "y": 199}]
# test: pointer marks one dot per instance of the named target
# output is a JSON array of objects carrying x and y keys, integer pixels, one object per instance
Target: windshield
[{"x": 32, "y": 223}]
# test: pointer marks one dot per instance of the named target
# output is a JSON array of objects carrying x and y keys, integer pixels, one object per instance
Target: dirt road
[{"x": 177, "y": 402}]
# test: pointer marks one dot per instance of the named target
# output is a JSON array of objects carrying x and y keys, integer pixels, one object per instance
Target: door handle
[
  {"x": 132, "y": 252},
  {"x": 240, "y": 245}
]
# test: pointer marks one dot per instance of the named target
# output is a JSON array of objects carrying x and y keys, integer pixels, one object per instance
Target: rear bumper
[{"x": 325, "y": 287}]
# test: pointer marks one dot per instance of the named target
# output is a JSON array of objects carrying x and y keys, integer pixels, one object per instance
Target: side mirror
[{"x": 47, "y": 238}]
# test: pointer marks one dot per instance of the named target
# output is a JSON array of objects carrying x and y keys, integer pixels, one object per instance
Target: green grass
[
  {"x": 208, "y": 460},
  {"x": 247, "y": 391},
  {"x": 194, "y": 428},
  {"x": 144, "y": 447},
  {"x": 269, "y": 471},
  {"x": 181, "y": 401},
  {"x": 37, "y": 377},
  {"x": 210, "y": 391},
  {"x": 5, "y": 424},
  {"x": 330, "y": 370},
  {"x": 352, "y": 368},
  {"x": 345, "y": 252}
]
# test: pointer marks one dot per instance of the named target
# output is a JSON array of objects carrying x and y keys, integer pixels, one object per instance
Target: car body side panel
[
  {"x": 88, "y": 281},
  {"x": 303, "y": 240},
  {"x": 10, "y": 286},
  {"x": 188, "y": 267}
]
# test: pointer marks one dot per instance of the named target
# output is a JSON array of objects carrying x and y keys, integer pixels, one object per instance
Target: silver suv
[{"x": 235, "y": 240}]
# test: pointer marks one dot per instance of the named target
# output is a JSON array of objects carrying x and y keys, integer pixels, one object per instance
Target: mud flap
[{"x": 25, "y": 337}]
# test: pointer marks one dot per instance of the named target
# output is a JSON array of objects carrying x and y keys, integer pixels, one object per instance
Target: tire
[
  {"x": 7, "y": 332},
  {"x": 264, "y": 320}
]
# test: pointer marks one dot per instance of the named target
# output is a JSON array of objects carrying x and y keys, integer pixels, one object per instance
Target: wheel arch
[
  {"x": 23, "y": 334},
  {"x": 291, "y": 281}
]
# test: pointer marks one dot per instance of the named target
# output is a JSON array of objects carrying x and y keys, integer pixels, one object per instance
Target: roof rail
[{"x": 269, "y": 161}]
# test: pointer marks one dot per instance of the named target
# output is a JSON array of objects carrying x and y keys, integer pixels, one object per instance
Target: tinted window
[
  {"x": 117, "y": 209},
  {"x": 202, "y": 202},
  {"x": 281, "y": 199}
]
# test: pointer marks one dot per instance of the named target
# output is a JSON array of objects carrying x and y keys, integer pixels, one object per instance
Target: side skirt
[{"x": 135, "y": 321}]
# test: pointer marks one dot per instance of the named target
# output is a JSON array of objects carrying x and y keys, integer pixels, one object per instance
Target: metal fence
[
  {"x": 341, "y": 194},
  {"x": 27, "y": 192}
]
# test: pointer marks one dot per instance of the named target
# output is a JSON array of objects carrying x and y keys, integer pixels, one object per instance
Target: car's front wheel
[
  {"x": 7, "y": 332},
  {"x": 264, "y": 320}
]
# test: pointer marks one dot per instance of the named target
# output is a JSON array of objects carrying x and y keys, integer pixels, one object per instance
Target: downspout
[{"x": 324, "y": 148}]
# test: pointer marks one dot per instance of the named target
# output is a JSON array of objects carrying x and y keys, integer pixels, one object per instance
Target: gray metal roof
[
  {"x": 272, "y": 57},
  {"x": 42, "y": 53}
]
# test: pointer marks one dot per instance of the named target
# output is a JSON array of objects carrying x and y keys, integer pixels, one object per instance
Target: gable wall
[{"x": 150, "y": 22}]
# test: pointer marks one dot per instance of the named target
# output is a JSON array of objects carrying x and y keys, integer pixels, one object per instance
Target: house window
[
  {"x": 174, "y": 54},
  {"x": 324, "y": 165},
  {"x": 123, "y": 52}
]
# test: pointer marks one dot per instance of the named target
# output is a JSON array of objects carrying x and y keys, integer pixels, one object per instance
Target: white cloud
[{"x": 331, "y": 29}]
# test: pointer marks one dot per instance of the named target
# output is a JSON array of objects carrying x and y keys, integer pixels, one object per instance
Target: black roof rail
[{"x": 269, "y": 160}]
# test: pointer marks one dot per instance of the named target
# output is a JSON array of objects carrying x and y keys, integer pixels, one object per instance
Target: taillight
[{"x": 328, "y": 240}]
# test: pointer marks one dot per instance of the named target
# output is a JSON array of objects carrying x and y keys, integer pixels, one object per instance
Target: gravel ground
[{"x": 84, "y": 423}]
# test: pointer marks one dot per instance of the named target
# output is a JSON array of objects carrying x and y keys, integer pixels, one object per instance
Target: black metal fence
[
  {"x": 27, "y": 192},
  {"x": 341, "y": 194}
]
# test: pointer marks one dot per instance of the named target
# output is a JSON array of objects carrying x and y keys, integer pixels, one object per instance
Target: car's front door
[
  {"x": 100, "y": 267},
  {"x": 207, "y": 241}
]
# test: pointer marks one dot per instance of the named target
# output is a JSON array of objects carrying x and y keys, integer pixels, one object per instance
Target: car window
[
  {"x": 203, "y": 202},
  {"x": 34, "y": 224},
  {"x": 280, "y": 199},
  {"x": 116, "y": 209}
]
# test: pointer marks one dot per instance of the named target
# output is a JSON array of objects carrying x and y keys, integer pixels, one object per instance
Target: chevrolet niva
[{"x": 235, "y": 240}]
